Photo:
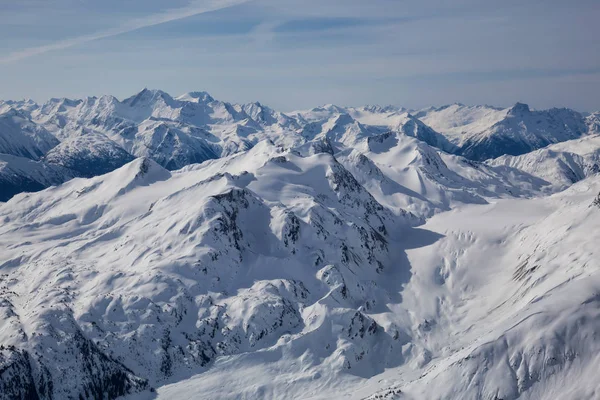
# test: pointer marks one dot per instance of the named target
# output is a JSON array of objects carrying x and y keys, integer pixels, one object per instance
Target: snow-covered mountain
[
  {"x": 188, "y": 247},
  {"x": 234, "y": 265},
  {"x": 484, "y": 132},
  {"x": 19, "y": 136},
  {"x": 97, "y": 135},
  {"x": 561, "y": 164},
  {"x": 457, "y": 121},
  {"x": 402, "y": 172},
  {"x": 88, "y": 154},
  {"x": 593, "y": 123},
  {"x": 20, "y": 174}
]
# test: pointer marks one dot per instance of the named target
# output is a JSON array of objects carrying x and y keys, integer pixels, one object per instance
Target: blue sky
[{"x": 294, "y": 54}]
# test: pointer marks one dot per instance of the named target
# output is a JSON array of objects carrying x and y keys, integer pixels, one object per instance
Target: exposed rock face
[
  {"x": 88, "y": 155},
  {"x": 16, "y": 376},
  {"x": 596, "y": 201}
]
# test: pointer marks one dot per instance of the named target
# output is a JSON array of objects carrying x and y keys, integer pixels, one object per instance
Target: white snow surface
[
  {"x": 331, "y": 253},
  {"x": 458, "y": 120}
]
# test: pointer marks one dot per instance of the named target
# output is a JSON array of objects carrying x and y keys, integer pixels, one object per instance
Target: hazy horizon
[
  {"x": 291, "y": 55},
  {"x": 233, "y": 101}
]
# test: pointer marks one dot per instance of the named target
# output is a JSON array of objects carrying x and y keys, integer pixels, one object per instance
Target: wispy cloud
[
  {"x": 195, "y": 8},
  {"x": 297, "y": 53}
]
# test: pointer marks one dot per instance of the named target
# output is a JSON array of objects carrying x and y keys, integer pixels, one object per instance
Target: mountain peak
[
  {"x": 146, "y": 96},
  {"x": 60, "y": 104},
  {"x": 197, "y": 97},
  {"x": 142, "y": 171},
  {"x": 519, "y": 108},
  {"x": 331, "y": 108},
  {"x": 382, "y": 109},
  {"x": 344, "y": 119}
]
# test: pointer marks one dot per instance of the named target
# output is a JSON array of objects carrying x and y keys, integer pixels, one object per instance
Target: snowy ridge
[
  {"x": 405, "y": 173},
  {"x": 458, "y": 120},
  {"x": 501, "y": 304},
  {"x": 560, "y": 164}
]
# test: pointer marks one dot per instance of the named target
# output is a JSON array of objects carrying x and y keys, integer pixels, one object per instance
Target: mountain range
[
  {"x": 93, "y": 136},
  {"x": 162, "y": 247}
]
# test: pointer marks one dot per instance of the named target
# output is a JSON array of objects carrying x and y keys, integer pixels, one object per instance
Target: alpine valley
[{"x": 185, "y": 247}]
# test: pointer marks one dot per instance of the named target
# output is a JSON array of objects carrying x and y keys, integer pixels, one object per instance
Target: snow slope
[
  {"x": 502, "y": 303},
  {"x": 457, "y": 120},
  {"x": 515, "y": 287},
  {"x": 561, "y": 164}
]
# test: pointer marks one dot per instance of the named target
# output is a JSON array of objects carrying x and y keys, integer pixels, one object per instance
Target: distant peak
[
  {"x": 197, "y": 97},
  {"x": 12, "y": 112},
  {"x": 256, "y": 105},
  {"x": 330, "y": 108},
  {"x": 63, "y": 101},
  {"x": 382, "y": 109},
  {"x": 343, "y": 119},
  {"x": 142, "y": 171},
  {"x": 146, "y": 95},
  {"x": 519, "y": 108}
]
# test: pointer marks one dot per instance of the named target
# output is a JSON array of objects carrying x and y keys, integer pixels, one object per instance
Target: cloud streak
[{"x": 196, "y": 8}]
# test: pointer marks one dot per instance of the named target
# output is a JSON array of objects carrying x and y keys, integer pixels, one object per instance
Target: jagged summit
[
  {"x": 146, "y": 96},
  {"x": 197, "y": 97},
  {"x": 383, "y": 109},
  {"x": 519, "y": 109}
]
